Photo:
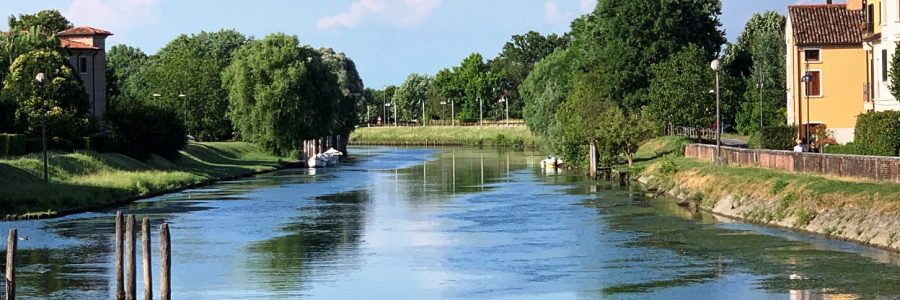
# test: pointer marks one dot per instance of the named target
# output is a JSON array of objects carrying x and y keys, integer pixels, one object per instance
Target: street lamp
[
  {"x": 452, "y": 111},
  {"x": 807, "y": 78},
  {"x": 716, "y": 66},
  {"x": 761, "y": 85},
  {"x": 505, "y": 101},
  {"x": 386, "y": 107},
  {"x": 480, "y": 112},
  {"x": 41, "y": 78},
  {"x": 423, "y": 112}
]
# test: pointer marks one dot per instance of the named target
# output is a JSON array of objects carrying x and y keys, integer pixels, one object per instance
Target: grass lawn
[
  {"x": 715, "y": 182},
  {"x": 85, "y": 180},
  {"x": 446, "y": 136}
]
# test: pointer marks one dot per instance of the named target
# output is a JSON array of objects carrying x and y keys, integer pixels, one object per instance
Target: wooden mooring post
[
  {"x": 165, "y": 263},
  {"x": 120, "y": 276},
  {"x": 10, "y": 278},
  {"x": 593, "y": 158},
  {"x": 145, "y": 252},
  {"x": 130, "y": 280}
]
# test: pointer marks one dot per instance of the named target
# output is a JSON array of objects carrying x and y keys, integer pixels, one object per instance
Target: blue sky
[{"x": 388, "y": 39}]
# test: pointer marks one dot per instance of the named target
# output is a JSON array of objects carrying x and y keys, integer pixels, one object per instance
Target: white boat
[
  {"x": 551, "y": 162},
  {"x": 321, "y": 160}
]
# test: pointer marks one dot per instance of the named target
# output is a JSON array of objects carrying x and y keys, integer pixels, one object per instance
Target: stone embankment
[{"x": 873, "y": 226}]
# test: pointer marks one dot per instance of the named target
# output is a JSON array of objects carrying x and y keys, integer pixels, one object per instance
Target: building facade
[
  {"x": 825, "y": 46},
  {"x": 880, "y": 36},
  {"x": 87, "y": 49}
]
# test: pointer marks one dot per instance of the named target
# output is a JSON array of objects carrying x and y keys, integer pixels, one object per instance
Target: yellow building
[{"x": 825, "y": 46}]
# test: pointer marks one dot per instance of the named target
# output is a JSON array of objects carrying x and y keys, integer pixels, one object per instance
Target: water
[{"x": 447, "y": 223}]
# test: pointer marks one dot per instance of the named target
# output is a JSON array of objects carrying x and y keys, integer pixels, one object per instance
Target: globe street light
[
  {"x": 41, "y": 78},
  {"x": 716, "y": 66},
  {"x": 387, "y": 106},
  {"x": 505, "y": 101}
]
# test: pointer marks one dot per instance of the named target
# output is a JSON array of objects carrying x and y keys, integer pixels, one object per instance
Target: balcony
[{"x": 868, "y": 31}]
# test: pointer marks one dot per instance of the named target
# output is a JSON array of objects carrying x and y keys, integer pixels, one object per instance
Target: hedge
[
  {"x": 12, "y": 144},
  {"x": 840, "y": 149},
  {"x": 775, "y": 138},
  {"x": 878, "y": 133}
]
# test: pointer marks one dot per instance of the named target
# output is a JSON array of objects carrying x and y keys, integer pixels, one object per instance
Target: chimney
[{"x": 853, "y": 4}]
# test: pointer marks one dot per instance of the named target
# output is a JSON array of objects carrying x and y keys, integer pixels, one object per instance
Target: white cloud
[
  {"x": 113, "y": 15},
  {"x": 399, "y": 12},
  {"x": 553, "y": 15},
  {"x": 588, "y": 5}
]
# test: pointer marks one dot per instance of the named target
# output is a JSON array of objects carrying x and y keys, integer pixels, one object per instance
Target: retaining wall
[{"x": 854, "y": 166}]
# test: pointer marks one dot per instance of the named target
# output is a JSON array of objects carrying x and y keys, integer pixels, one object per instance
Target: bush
[
  {"x": 12, "y": 144},
  {"x": 878, "y": 133},
  {"x": 775, "y": 138},
  {"x": 840, "y": 149},
  {"x": 139, "y": 130}
]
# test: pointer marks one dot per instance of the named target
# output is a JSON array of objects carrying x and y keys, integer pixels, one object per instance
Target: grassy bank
[
  {"x": 841, "y": 208},
  {"x": 86, "y": 180},
  {"x": 517, "y": 136}
]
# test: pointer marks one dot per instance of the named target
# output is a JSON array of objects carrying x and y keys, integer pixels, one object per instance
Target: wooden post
[
  {"x": 11, "y": 264},
  {"x": 165, "y": 262},
  {"x": 130, "y": 282},
  {"x": 145, "y": 251},
  {"x": 120, "y": 275},
  {"x": 593, "y": 150}
]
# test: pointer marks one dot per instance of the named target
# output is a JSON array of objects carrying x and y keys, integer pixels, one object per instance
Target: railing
[
  {"x": 692, "y": 132},
  {"x": 511, "y": 122}
]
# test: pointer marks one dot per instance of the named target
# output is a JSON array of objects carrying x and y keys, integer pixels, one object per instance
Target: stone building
[{"x": 87, "y": 49}]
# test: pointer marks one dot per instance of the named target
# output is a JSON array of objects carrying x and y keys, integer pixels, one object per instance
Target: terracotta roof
[
  {"x": 826, "y": 25},
  {"x": 84, "y": 30},
  {"x": 76, "y": 45}
]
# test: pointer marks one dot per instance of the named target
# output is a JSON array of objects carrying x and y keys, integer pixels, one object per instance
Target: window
[
  {"x": 812, "y": 55},
  {"x": 814, "y": 87},
  {"x": 884, "y": 65},
  {"x": 870, "y": 18},
  {"x": 82, "y": 65}
]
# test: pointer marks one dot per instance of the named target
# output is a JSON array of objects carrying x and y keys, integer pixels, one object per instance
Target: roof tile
[
  {"x": 826, "y": 25},
  {"x": 84, "y": 30}
]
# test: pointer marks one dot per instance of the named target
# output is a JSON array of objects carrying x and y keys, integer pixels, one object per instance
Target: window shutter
[
  {"x": 884, "y": 65},
  {"x": 815, "y": 85}
]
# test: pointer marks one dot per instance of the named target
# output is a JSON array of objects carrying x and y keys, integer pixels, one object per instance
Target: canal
[{"x": 461, "y": 223}]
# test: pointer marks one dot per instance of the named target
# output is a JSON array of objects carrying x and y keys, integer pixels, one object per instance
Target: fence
[
  {"x": 854, "y": 166},
  {"x": 692, "y": 132},
  {"x": 512, "y": 122}
]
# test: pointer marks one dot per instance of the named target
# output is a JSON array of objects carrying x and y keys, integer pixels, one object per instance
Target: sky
[{"x": 388, "y": 39}]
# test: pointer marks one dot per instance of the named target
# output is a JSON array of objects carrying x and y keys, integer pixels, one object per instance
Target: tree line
[{"x": 211, "y": 86}]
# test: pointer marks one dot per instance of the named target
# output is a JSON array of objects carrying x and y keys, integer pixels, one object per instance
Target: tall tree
[
  {"x": 49, "y": 21},
  {"x": 281, "y": 93},
  {"x": 122, "y": 62},
  {"x": 679, "y": 90},
  {"x": 410, "y": 96},
  {"x": 635, "y": 35},
  {"x": 764, "y": 106},
  {"x": 352, "y": 90},
  {"x": 61, "y": 96},
  {"x": 546, "y": 88},
  {"x": 518, "y": 58},
  {"x": 191, "y": 65}
]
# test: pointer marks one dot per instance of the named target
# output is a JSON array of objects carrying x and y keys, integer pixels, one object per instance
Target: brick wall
[{"x": 853, "y": 166}]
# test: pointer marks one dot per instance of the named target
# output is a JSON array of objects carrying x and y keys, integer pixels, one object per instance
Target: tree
[
  {"x": 49, "y": 21},
  {"x": 767, "y": 53},
  {"x": 679, "y": 90},
  {"x": 139, "y": 129},
  {"x": 738, "y": 57},
  {"x": 122, "y": 62},
  {"x": 191, "y": 65},
  {"x": 280, "y": 93},
  {"x": 61, "y": 96},
  {"x": 635, "y": 35},
  {"x": 352, "y": 91},
  {"x": 579, "y": 121},
  {"x": 545, "y": 89},
  {"x": 410, "y": 95},
  {"x": 518, "y": 58},
  {"x": 625, "y": 133},
  {"x": 895, "y": 73}
]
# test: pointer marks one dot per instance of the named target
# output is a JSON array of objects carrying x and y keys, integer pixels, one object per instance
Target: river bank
[
  {"x": 846, "y": 209},
  {"x": 85, "y": 181},
  {"x": 503, "y": 136}
]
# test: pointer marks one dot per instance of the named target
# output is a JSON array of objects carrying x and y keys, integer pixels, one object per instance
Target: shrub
[
  {"x": 775, "y": 138},
  {"x": 12, "y": 144},
  {"x": 841, "y": 149},
  {"x": 139, "y": 130},
  {"x": 668, "y": 166},
  {"x": 878, "y": 133}
]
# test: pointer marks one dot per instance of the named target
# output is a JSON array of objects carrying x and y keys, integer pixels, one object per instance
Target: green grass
[
  {"x": 822, "y": 191},
  {"x": 518, "y": 136},
  {"x": 85, "y": 180}
]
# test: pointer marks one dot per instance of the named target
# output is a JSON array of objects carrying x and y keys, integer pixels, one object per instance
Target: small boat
[
  {"x": 329, "y": 158},
  {"x": 316, "y": 162},
  {"x": 551, "y": 162}
]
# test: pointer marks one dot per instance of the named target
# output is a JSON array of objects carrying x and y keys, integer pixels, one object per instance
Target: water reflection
[{"x": 449, "y": 223}]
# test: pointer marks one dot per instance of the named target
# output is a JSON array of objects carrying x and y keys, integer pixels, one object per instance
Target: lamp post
[
  {"x": 423, "y": 112},
  {"x": 386, "y": 107},
  {"x": 506, "y": 102},
  {"x": 452, "y": 112},
  {"x": 807, "y": 78},
  {"x": 41, "y": 78},
  {"x": 184, "y": 114},
  {"x": 761, "y": 85},
  {"x": 716, "y": 66},
  {"x": 480, "y": 112}
]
